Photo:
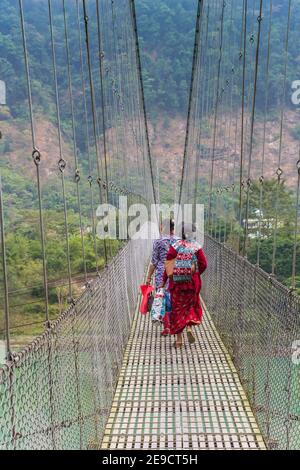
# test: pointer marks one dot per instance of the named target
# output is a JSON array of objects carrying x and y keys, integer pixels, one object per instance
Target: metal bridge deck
[{"x": 179, "y": 399}]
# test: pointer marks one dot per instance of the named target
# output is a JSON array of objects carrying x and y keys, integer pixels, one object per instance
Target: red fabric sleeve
[
  {"x": 172, "y": 253},
  {"x": 202, "y": 263}
]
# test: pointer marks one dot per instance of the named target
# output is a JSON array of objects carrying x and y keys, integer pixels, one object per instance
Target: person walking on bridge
[
  {"x": 159, "y": 254},
  {"x": 185, "y": 262}
]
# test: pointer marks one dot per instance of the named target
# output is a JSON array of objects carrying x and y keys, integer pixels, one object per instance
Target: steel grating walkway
[{"x": 179, "y": 399}]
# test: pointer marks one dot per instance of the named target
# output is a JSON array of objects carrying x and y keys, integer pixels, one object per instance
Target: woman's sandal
[
  {"x": 165, "y": 332},
  {"x": 191, "y": 337},
  {"x": 178, "y": 344}
]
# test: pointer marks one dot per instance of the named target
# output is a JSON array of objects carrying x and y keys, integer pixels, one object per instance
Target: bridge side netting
[
  {"x": 258, "y": 319},
  {"x": 57, "y": 392}
]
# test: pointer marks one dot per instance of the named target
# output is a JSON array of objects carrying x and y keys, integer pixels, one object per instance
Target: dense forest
[{"x": 167, "y": 31}]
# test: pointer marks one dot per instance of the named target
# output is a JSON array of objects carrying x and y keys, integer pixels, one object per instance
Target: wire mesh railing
[
  {"x": 57, "y": 392},
  {"x": 259, "y": 321}
]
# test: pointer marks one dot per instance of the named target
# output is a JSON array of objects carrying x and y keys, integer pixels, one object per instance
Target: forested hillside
[{"x": 167, "y": 30}]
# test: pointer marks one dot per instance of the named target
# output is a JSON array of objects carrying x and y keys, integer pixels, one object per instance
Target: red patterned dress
[{"x": 185, "y": 296}]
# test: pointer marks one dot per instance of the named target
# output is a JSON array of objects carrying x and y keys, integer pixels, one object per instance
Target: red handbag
[{"x": 146, "y": 294}]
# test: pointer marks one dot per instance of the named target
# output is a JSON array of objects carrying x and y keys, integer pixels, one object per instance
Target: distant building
[{"x": 260, "y": 225}]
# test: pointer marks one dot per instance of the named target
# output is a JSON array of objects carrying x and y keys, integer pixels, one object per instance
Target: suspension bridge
[{"x": 98, "y": 375}]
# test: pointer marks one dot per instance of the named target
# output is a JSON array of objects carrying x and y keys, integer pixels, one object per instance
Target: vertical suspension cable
[
  {"x": 131, "y": 113},
  {"x": 211, "y": 96},
  {"x": 195, "y": 125},
  {"x": 296, "y": 234},
  {"x": 36, "y": 156},
  {"x": 266, "y": 105},
  {"x": 90, "y": 177},
  {"x": 93, "y": 104},
  {"x": 127, "y": 111},
  {"x": 195, "y": 57},
  {"x": 230, "y": 98},
  {"x": 243, "y": 55},
  {"x": 279, "y": 170},
  {"x": 116, "y": 92},
  {"x": 223, "y": 164},
  {"x": 61, "y": 161},
  {"x": 259, "y": 19},
  {"x": 216, "y": 108},
  {"x": 199, "y": 137},
  {"x": 142, "y": 95},
  {"x": 5, "y": 280},
  {"x": 77, "y": 176},
  {"x": 237, "y": 72},
  {"x": 249, "y": 94},
  {"x": 102, "y": 94}
]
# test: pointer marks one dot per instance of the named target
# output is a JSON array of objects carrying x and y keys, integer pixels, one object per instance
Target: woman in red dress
[{"x": 185, "y": 297}]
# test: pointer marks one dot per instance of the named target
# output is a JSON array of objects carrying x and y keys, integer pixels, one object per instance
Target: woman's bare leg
[{"x": 178, "y": 342}]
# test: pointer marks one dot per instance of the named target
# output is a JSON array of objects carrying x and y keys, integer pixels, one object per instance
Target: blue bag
[{"x": 166, "y": 306}]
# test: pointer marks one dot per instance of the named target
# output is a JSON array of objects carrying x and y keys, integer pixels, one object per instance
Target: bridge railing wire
[
  {"x": 258, "y": 319},
  {"x": 57, "y": 392}
]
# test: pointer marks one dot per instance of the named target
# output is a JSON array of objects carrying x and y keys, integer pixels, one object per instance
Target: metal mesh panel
[
  {"x": 57, "y": 393},
  {"x": 259, "y": 320},
  {"x": 179, "y": 399}
]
